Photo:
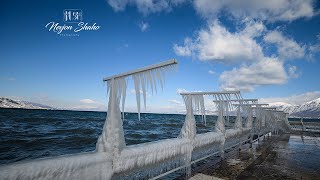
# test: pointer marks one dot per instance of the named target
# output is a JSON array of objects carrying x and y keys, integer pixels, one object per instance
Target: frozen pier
[{"x": 113, "y": 159}]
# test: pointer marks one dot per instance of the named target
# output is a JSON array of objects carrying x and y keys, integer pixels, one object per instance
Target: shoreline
[{"x": 278, "y": 157}]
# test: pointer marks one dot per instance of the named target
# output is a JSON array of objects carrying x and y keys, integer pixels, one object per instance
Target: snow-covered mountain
[
  {"x": 10, "y": 103},
  {"x": 281, "y": 106},
  {"x": 308, "y": 109}
]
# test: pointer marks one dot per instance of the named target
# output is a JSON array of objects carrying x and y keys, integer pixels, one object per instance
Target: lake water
[{"x": 30, "y": 134}]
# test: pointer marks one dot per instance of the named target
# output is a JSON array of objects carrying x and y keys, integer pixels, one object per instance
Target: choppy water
[{"x": 31, "y": 134}]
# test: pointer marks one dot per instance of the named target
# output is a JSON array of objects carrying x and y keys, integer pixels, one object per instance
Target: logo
[
  {"x": 72, "y": 25},
  {"x": 72, "y": 15}
]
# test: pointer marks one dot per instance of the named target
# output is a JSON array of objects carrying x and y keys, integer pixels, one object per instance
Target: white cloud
[
  {"x": 265, "y": 72},
  {"x": 118, "y": 5},
  {"x": 211, "y": 72},
  {"x": 287, "y": 48},
  {"x": 245, "y": 46},
  {"x": 181, "y": 90},
  {"x": 87, "y": 101},
  {"x": 216, "y": 43},
  {"x": 88, "y": 104},
  {"x": 293, "y": 71},
  {"x": 293, "y": 99},
  {"x": 271, "y": 10},
  {"x": 146, "y": 6},
  {"x": 88, "y": 107},
  {"x": 312, "y": 50},
  {"x": 185, "y": 50},
  {"x": 175, "y": 101},
  {"x": 144, "y": 26}
]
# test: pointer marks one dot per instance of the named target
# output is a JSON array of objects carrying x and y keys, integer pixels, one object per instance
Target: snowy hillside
[
  {"x": 9, "y": 103},
  {"x": 281, "y": 106},
  {"x": 308, "y": 109}
]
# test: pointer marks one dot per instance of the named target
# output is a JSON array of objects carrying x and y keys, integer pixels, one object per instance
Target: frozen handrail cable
[
  {"x": 239, "y": 100},
  {"x": 257, "y": 105},
  {"x": 267, "y": 108},
  {"x": 166, "y": 63},
  {"x": 210, "y": 93}
]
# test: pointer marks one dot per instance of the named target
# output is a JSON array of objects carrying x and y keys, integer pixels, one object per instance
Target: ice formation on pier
[
  {"x": 113, "y": 157},
  {"x": 149, "y": 78},
  {"x": 112, "y": 137}
]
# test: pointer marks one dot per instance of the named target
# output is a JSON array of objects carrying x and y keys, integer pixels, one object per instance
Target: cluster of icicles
[
  {"x": 142, "y": 82},
  {"x": 196, "y": 102}
]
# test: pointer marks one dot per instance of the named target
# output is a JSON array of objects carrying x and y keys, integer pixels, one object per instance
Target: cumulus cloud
[
  {"x": 312, "y": 50},
  {"x": 144, "y": 26},
  {"x": 245, "y": 46},
  {"x": 272, "y": 10},
  {"x": 146, "y": 6},
  {"x": 293, "y": 71},
  {"x": 265, "y": 72},
  {"x": 293, "y": 99},
  {"x": 87, "y": 101},
  {"x": 174, "y": 101},
  {"x": 181, "y": 90},
  {"x": 186, "y": 49},
  {"x": 216, "y": 43},
  {"x": 287, "y": 48},
  {"x": 211, "y": 72},
  {"x": 88, "y": 104}
]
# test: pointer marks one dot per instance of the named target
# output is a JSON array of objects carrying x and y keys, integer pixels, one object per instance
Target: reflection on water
[{"x": 304, "y": 154}]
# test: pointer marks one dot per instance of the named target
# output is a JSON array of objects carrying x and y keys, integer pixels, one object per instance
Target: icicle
[
  {"x": 163, "y": 75},
  {"x": 137, "y": 89},
  {"x": 159, "y": 78},
  {"x": 203, "y": 110},
  {"x": 144, "y": 91},
  {"x": 149, "y": 77},
  {"x": 154, "y": 80},
  {"x": 124, "y": 91}
]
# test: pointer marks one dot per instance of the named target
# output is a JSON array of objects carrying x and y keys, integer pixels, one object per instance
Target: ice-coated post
[
  {"x": 303, "y": 128},
  {"x": 238, "y": 122},
  {"x": 220, "y": 127},
  {"x": 112, "y": 138},
  {"x": 188, "y": 129}
]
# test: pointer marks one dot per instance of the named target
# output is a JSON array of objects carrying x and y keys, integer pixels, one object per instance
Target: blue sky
[{"x": 267, "y": 49}]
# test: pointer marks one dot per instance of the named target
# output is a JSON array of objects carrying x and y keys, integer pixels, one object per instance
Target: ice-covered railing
[
  {"x": 112, "y": 138},
  {"x": 279, "y": 120},
  {"x": 202, "y": 145},
  {"x": 238, "y": 106},
  {"x": 113, "y": 158},
  {"x": 111, "y": 155}
]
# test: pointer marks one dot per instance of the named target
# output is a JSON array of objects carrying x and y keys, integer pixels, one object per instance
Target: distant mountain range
[
  {"x": 308, "y": 109},
  {"x": 9, "y": 103}
]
